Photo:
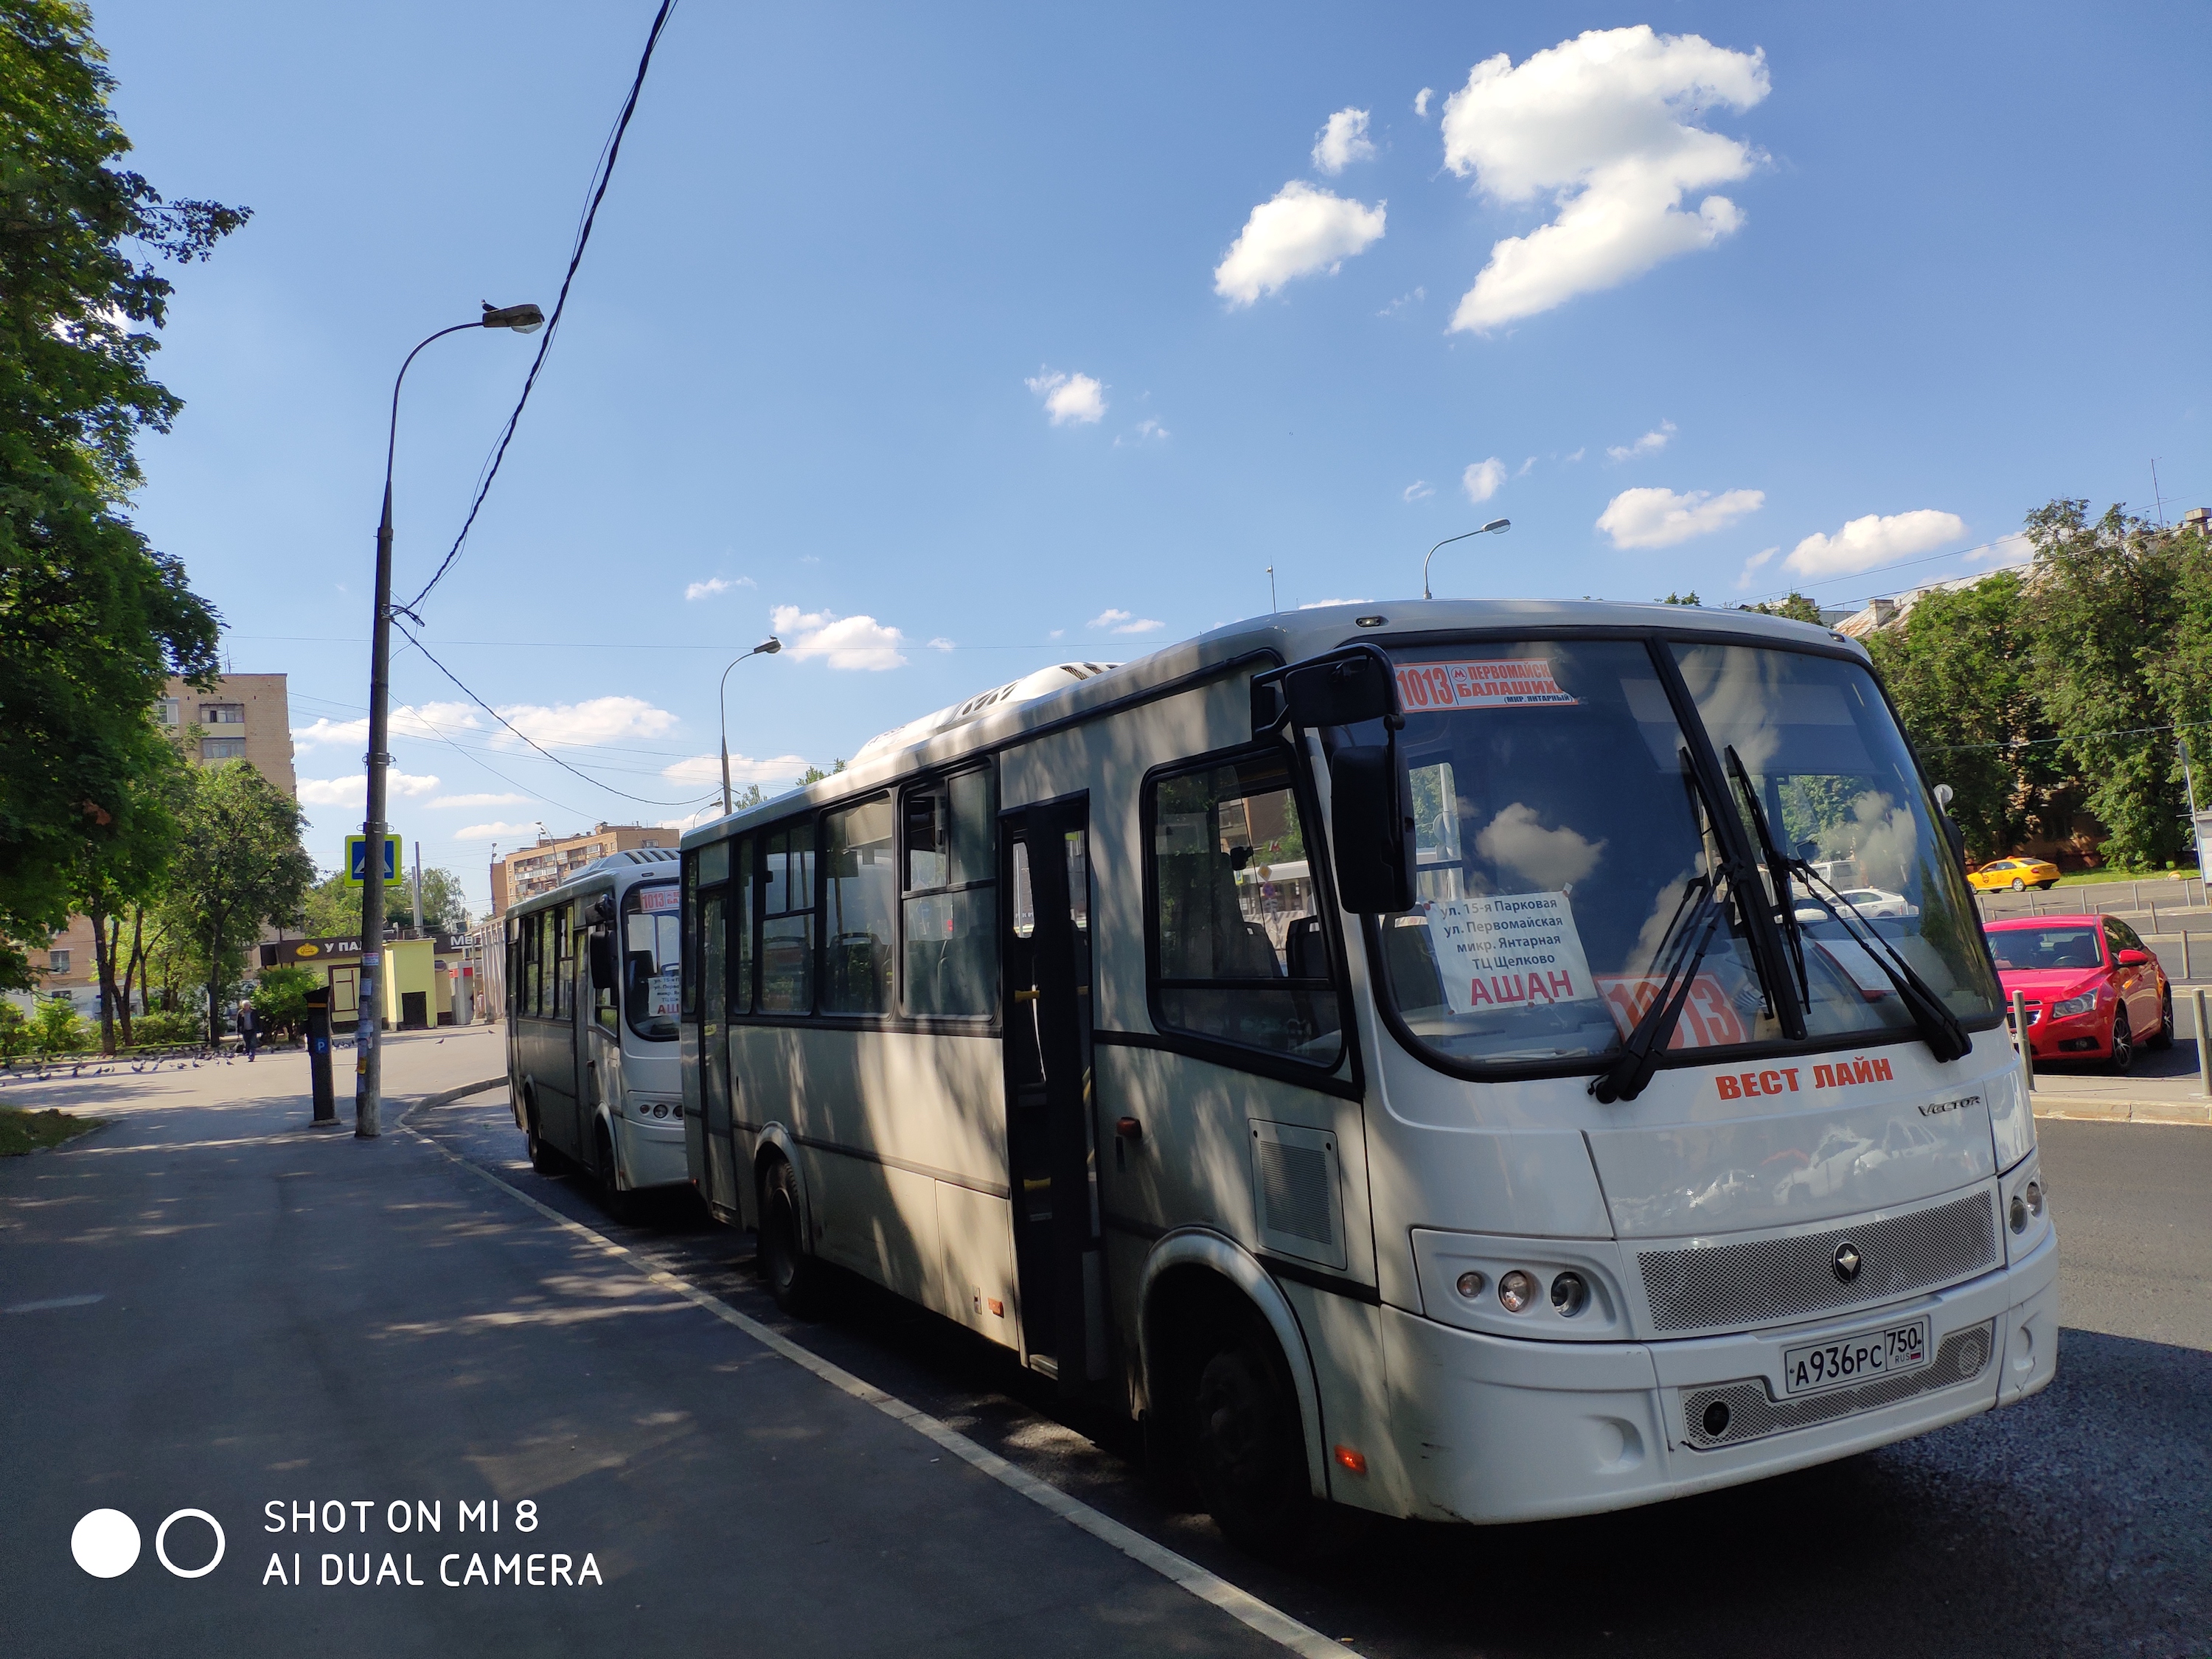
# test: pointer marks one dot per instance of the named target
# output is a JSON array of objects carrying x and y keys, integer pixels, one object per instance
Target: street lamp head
[
  {"x": 1495, "y": 526},
  {"x": 768, "y": 647},
  {"x": 523, "y": 318}
]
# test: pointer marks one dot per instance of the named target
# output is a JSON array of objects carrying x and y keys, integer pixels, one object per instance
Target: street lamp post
[
  {"x": 767, "y": 648},
  {"x": 1490, "y": 529},
  {"x": 368, "y": 1068}
]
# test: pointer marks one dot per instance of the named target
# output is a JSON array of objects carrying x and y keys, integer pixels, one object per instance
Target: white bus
[
  {"x": 591, "y": 997},
  {"x": 1379, "y": 1048}
]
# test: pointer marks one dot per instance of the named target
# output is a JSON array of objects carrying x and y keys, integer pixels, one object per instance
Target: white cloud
[
  {"x": 333, "y": 791},
  {"x": 1317, "y": 604},
  {"x": 496, "y": 831},
  {"x": 1604, "y": 124},
  {"x": 1342, "y": 142},
  {"x": 1057, "y": 633},
  {"x": 1577, "y": 455},
  {"x": 1301, "y": 231},
  {"x": 1659, "y": 517},
  {"x": 1123, "y": 622},
  {"x": 597, "y": 721},
  {"x": 431, "y": 720},
  {"x": 484, "y": 799},
  {"x": 1402, "y": 301},
  {"x": 1650, "y": 444},
  {"x": 714, "y": 585},
  {"x": 705, "y": 771},
  {"x": 1864, "y": 543},
  {"x": 2006, "y": 549},
  {"x": 1069, "y": 396},
  {"x": 941, "y": 643},
  {"x": 1418, "y": 490},
  {"x": 1421, "y": 101},
  {"x": 1482, "y": 480},
  {"x": 353, "y": 791},
  {"x": 1527, "y": 467},
  {"x": 1753, "y": 565},
  {"x": 1149, "y": 427},
  {"x": 852, "y": 642}
]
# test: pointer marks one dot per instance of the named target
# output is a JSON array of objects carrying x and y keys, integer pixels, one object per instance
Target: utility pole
[
  {"x": 369, "y": 1058},
  {"x": 1273, "y": 603},
  {"x": 418, "y": 890}
]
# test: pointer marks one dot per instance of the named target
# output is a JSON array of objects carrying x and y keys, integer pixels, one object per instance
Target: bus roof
[
  {"x": 627, "y": 867},
  {"x": 1067, "y": 690}
]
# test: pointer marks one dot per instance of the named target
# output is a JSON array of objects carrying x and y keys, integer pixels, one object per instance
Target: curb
[
  {"x": 2108, "y": 1108},
  {"x": 431, "y": 1103}
]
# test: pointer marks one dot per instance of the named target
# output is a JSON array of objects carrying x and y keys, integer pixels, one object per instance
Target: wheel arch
[
  {"x": 775, "y": 1140},
  {"x": 1177, "y": 1275}
]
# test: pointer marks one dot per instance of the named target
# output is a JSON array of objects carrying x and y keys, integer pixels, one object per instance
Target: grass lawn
[{"x": 23, "y": 1132}]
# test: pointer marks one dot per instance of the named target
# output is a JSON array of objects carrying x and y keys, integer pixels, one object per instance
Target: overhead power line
[
  {"x": 644, "y": 801},
  {"x": 606, "y": 173},
  {"x": 2070, "y": 737}
]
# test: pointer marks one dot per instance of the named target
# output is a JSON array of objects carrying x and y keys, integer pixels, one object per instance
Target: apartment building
[
  {"x": 528, "y": 869},
  {"x": 246, "y": 717}
]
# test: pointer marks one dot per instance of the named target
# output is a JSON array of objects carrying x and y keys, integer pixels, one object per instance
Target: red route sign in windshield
[{"x": 1500, "y": 683}]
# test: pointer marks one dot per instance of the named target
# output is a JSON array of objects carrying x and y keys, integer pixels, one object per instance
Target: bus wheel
[
  {"x": 793, "y": 1276},
  {"x": 620, "y": 1205},
  {"x": 1248, "y": 1447},
  {"x": 542, "y": 1158}
]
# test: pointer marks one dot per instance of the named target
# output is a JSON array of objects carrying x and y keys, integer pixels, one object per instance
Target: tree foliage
[
  {"x": 92, "y": 621},
  {"x": 332, "y": 907},
  {"x": 239, "y": 863},
  {"x": 2065, "y": 687}
]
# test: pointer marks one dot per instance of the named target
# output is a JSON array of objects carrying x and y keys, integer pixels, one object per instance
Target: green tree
[
  {"x": 1690, "y": 598},
  {"x": 332, "y": 907},
  {"x": 280, "y": 996},
  {"x": 239, "y": 863},
  {"x": 1796, "y": 607},
  {"x": 92, "y": 621},
  {"x": 2107, "y": 602},
  {"x": 1958, "y": 668},
  {"x": 115, "y": 878},
  {"x": 2181, "y": 674},
  {"x": 815, "y": 774}
]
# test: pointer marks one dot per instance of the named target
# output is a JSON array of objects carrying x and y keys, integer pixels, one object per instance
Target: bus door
[{"x": 1051, "y": 1140}]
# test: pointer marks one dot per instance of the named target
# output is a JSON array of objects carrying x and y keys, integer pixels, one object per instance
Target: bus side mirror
[
  {"x": 1371, "y": 827},
  {"x": 602, "y": 952}
]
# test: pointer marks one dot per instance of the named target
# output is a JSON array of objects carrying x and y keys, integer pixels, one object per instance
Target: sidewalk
[{"x": 209, "y": 1305}]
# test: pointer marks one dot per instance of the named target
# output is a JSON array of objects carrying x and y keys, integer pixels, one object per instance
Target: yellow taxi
[{"x": 2018, "y": 874}]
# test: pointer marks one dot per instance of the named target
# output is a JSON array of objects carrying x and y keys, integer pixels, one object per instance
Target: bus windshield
[
  {"x": 650, "y": 960},
  {"x": 1564, "y": 841}
]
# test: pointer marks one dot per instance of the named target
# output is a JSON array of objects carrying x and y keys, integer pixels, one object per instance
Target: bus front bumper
[
  {"x": 651, "y": 1150},
  {"x": 1489, "y": 1429}
]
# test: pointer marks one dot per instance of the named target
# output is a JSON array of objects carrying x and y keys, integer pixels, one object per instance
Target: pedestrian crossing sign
[{"x": 357, "y": 861}]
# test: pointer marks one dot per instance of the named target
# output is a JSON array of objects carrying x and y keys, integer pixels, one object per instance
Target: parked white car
[{"x": 1872, "y": 902}]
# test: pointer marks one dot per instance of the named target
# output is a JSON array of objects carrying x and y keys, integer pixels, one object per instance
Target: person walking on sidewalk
[{"x": 249, "y": 1028}]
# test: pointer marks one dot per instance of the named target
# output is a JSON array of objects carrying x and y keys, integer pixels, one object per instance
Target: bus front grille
[
  {"x": 1752, "y": 1413},
  {"x": 1763, "y": 1281}
]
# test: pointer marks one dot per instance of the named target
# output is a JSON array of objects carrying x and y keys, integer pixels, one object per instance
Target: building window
[
  {"x": 222, "y": 713},
  {"x": 648, "y": 841},
  {"x": 169, "y": 712},
  {"x": 222, "y": 749},
  {"x": 57, "y": 962}
]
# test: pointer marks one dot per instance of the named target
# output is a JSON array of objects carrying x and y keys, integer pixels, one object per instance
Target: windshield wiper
[
  {"x": 1695, "y": 919},
  {"x": 1940, "y": 1029},
  {"x": 1786, "y": 911}
]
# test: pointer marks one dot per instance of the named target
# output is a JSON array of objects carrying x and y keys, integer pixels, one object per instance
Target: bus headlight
[
  {"x": 1517, "y": 1290},
  {"x": 1470, "y": 1285},
  {"x": 1570, "y": 1294},
  {"x": 2034, "y": 1196}
]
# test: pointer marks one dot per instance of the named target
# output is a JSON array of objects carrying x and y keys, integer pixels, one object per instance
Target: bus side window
[
  {"x": 859, "y": 892},
  {"x": 564, "y": 965},
  {"x": 950, "y": 910},
  {"x": 786, "y": 964},
  {"x": 1239, "y": 952},
  {"x": 743, "y": 890},
  {"x": 533, "y": 965}
]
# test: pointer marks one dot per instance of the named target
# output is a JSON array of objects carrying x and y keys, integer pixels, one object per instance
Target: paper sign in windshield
[
  {"x": 1509, "y": 951},
  {"x": 1708, "y": 1019},
  {"x": 1502, "y": 682},
  {"x": 650, "y": 899}
]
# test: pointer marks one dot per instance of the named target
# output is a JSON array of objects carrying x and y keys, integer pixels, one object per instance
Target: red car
[{"x": 2093, "y": 990}]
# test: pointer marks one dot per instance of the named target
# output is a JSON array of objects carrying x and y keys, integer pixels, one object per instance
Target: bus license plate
[{"x": 1859, "y": 1358}]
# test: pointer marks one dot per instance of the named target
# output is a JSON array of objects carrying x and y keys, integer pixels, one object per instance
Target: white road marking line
[{"x": 1246, "y": 1608}]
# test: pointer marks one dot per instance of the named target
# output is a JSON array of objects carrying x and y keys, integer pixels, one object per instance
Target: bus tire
[
  {"x": 793, "y": 1277},
  {"x": 542, "y": 1158},
  {"x": 620, "y": 1205},
  {"x": 1247, "y": 1446}
]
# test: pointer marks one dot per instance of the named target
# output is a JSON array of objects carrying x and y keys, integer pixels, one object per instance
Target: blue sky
[{"x": 967, "y": 342}]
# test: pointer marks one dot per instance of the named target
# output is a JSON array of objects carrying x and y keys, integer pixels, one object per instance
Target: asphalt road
[{"x": 2079, "y": 1522}]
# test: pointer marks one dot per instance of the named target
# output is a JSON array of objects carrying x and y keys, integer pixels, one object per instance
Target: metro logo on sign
[{"x": 1502, "y": 683}]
